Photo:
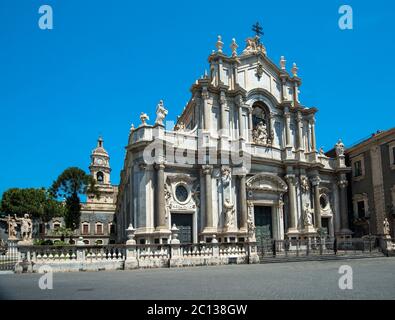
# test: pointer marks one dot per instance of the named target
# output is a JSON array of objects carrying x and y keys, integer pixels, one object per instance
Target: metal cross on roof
[{"x": 257, "y": 29}]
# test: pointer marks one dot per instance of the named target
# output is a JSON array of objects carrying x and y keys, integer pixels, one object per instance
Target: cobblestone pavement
[{"x": 372, "y": 279}]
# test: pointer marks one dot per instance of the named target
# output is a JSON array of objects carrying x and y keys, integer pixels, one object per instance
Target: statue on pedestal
[
  {"x": 308, "y": 218},
  {"x": 260, "y": 133},
  {"x": 386, "y": 227},
  {"x": 229, "y": 214},
  {"x": 161, "y": 113},
  {"x": 226, "y": 176},
  {"x": 12, "y": 225},
  {"x": 339, "y": 147},
  {"x": 26, "y": 228}
]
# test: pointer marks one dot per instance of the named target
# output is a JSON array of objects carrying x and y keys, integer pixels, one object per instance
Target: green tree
[
  {"x": 70, "y": 185},
  {"x": 39, "y": 203}
]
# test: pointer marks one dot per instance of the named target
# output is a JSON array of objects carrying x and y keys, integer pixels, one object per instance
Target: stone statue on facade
[
  {"x": 259, "y": 134},
  {"x": 226, "y": 176},
  {"x": 26, "y": 228},
  {"x": 308, "y": 218},
  {"x": 229, "y": 214},
  {"x": 161, "y": 113},
  {"x": 386, "y": 227},
  {"x": 304, "y": 184},
  {"x": 144, "y": 117},
  {"x": 339, "y": 147},
  {"x": 253, "y": 45}
]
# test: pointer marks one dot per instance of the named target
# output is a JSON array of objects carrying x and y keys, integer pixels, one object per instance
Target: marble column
[
  {"x": 250, "y": 124},
  {"x": 296, "y": 93},
  {"x": 284, "y": 94},
  {"x": 280, "y": 219},
  {"x": 243, "y": 202},
  {"x": 160, "y": 215},
  {"x": 313, "y": 141},
  {"x": 291, "y": 179},
  {"x": 317, "y": 207},
  {"x": 224, "y": 124},
  {"x": 300, "y": 131},
  {"x": 206, "y": 109},
  {"x": 207, "y": 170},
  {"x": 343, "y": 203},
  {"x": 241, "y": 123},
  {"x": 287, "y": 117}
]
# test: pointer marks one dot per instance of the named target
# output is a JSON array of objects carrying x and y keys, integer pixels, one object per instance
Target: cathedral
[{"x": 241, "y": 164}]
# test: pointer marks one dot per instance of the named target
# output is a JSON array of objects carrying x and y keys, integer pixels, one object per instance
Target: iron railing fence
[
  {"x": 8, "y": 258},
  {"x": 270, "y": 248}
]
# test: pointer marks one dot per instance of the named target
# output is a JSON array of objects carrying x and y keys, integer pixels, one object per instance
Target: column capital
[
  {"x": 205, "y": 93},
  {"x": 312, "y": 121},
  {"x": 160, "y": 166},
  {"x": 342, "y": 183},
  {"x": 207, "y": 169},
  {"x": 142, "y": 166},
  {"x": 222, "y": 98},
  {"x": 299, "y": 116},
  {"x": 239, "y": 101},
  {"x": 315, "y": 181},
  {"x": 291, "y": 179}
]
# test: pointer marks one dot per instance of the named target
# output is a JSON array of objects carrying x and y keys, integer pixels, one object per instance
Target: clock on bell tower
[{"x": 100, "y": 164}]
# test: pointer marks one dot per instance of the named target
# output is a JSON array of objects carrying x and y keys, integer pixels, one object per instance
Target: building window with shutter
[{"x": 85, "y": 228}]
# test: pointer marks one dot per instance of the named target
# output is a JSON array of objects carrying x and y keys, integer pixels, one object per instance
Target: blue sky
[{"x": 106, "y": 61}]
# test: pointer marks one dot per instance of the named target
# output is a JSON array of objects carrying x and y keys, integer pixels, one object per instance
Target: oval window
[{"x": 181, "y": 193}]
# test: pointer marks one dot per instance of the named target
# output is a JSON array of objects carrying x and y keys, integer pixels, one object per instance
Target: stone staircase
[{"x": 324, "y": 257}]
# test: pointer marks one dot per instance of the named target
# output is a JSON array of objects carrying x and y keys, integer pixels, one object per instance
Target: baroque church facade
[{"x": 241, "y": 163}]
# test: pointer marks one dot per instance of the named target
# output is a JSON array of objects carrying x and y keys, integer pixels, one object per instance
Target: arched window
[
  {"x": 111, "y": 228},
  {"x": 100, "y": 177},
  {"x": 99, "y": 228},
  {"x": 85, "y": 228}
]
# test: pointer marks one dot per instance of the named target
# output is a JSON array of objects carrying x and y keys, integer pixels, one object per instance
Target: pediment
[{"x": 267, "y": 182}]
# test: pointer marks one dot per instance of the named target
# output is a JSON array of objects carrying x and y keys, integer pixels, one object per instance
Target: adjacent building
[
  {"x": 372, "y": 183},
  {"x": 240, "y": 164},
  {"x": 97, "y": 225}
]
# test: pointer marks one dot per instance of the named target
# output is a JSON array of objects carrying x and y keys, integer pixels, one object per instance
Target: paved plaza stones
[{"x": 372, "y": 279}]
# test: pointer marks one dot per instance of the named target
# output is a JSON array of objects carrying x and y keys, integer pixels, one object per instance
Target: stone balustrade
[{"x": 117, "y": 257}]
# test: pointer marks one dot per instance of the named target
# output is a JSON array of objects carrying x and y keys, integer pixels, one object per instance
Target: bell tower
[{"x": 100, "y": 164}]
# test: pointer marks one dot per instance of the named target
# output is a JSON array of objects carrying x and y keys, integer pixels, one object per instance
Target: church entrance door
[
  {"x": 263, "y": 223},
  {"x": 184, "y": 224}
]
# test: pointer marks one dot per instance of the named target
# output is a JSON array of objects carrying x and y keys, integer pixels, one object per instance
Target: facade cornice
[{"x": 377, "y": 139}]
